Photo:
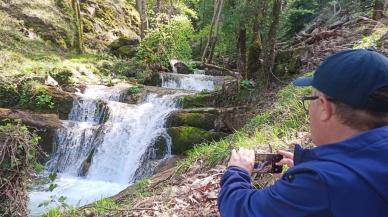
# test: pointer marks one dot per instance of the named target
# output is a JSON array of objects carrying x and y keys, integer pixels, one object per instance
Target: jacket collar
[{"x": 348, "y": 145}]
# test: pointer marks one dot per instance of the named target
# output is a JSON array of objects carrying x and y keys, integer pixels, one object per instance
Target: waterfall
[
  {"x": 196, "y": 82},
  {"x": 105, "y": 145}
]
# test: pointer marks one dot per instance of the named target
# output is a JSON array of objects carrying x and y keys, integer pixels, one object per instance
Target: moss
[
  {"x": 126, "y": 51},
  {"x": 9, "y": 95},
  {"x": 62, "y": 75},
  {"x": 184, "y": 138},
  {"x": 201, "y": 120},
  {"x": 197, "y": 101}
]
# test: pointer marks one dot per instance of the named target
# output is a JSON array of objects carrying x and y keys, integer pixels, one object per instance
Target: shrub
[
  {"x": 9, "y": 95},
  {"x": 34, "y": 96},
  {"x": 134, "y": 90},
  {"x": 170, "y": 40},
  {"x": 18, "y": 152},
  {"x": 62, "y": 76}
]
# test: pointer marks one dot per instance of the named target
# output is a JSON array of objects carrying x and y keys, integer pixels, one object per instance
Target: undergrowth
[
  {"x": 18, "y": 151},
  {"x": 276, "y": 127}
]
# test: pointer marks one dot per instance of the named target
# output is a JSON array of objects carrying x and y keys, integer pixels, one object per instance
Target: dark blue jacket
[{"x": 345, "y": 179}]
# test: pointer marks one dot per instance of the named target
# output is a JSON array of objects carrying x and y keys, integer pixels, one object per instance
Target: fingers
[
  {"x": 286, "y": 154},
  {"x": 286, "y": 161}
]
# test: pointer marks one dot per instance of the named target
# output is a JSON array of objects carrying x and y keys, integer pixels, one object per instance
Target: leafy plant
[
  {"x": 134, "y": 89},
  {"x": 34, "y": 96},
  {"x": 18, "y": 151},
  {"x": 247, "y": 84},
  {"x": 170, "y": 40},
  {"x": 62, "y": 75}
]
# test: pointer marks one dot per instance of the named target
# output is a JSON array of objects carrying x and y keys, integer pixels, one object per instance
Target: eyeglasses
[{"x": 306, "y": 101}]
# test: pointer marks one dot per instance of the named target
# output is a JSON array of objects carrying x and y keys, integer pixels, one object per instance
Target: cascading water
[
  {"x": 113, "y": 136},
  {"x": 196, "y": 82},
  {"x": 107, "y": 145}
]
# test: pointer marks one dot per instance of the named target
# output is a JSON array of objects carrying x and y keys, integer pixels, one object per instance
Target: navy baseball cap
[{"x": 354, "y": 77}]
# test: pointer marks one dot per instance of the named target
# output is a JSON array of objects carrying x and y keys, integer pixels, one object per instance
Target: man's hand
[
  {"x": 244, "y": 158},
  {"x": 288, "y": 158}
]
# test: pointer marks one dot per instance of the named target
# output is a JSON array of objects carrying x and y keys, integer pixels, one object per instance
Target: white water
[
  {"x": 119, "y": 145},
  {"x": 196, "y": 82}
]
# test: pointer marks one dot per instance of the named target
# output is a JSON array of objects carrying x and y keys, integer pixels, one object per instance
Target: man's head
[{"x": 352, "y": 95}]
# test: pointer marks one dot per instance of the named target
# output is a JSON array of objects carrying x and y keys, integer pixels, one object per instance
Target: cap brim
[{"x": 303, "y": 81}]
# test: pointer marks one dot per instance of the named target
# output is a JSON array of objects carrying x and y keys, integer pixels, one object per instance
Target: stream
[{"x": 106, "y": 145}]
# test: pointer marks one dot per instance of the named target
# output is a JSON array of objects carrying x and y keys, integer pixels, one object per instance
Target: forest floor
[{"x": 190, "y": 188}]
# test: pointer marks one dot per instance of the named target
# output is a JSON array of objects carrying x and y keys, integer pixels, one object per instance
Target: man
[{"x": 346, "y": 175}]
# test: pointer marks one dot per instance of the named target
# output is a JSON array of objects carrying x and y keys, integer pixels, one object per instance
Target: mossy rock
[
  {"x": 126, "y": 51},
  {"x": 194, "y": 119},
  {"x": 197, "y": 101},
  {"x": 184, "y": 138},
  {"x": 9, "y": 95}
]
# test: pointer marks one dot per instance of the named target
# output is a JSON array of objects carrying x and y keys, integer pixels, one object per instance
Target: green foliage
[
  {"x": 297, "y": 15},
  {"x": 103, "y": 204},
  {"x": 35, "y": 96},
  {"x": 9, "y": 95},
  {"x": 62, "y": 75},
  {"x": 18, "y": 151},
  {"x": 170, "y": 40},
  {"x": 279, "y": 124},
  {"x": 134, "y": 89},
  {"x": 247, "y": 84}
]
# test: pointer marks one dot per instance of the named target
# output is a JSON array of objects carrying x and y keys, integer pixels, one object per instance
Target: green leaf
[
  {"x": 52, "y": 176},
  {"x": 52, "y": 187}
]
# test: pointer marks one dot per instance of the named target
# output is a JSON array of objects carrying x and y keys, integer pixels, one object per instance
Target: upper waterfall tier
[{"x": 196, "y": 82}]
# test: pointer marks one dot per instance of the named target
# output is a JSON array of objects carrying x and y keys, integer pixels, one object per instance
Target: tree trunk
[
  {"x": 242, "y": 52},
  {"x": 378, "y": 9},
  {"x": 78, "y": 43},
  {"x": 269, "y": 52},
  {"x": 141, "y": 6},
  {"x": 254, "y": 50},
  {"x": 207, "y": 55}
]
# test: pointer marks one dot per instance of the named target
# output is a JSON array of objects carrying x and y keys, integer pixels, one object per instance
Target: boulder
[
  {"x": 194, "y": 119},
  {"x": 184, "y": 138},
  {"x": 63, "y": 101},
  {"x": 180, "y": 68},
  {"x": 125, "y": 47},
  {"x": 197, "y": 100},
  {"x": 124, "y": 41}
]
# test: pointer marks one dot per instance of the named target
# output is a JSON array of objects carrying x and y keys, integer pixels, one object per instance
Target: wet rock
[
  {"x": 184, "y": 138},
  {"x": 167, "y": 163},
  {"x": 180, "y": 68},
  {"x": 86, "y": 164}
]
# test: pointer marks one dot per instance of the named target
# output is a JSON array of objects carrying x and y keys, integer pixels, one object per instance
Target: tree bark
[
  {"x": 378, "y": 9},
  {"x": 207, "y": 55},
  {"x": 79, "y": 44},
  {"x": 269, "y": 52},
  {"x": 242, "y": 52},
  {"x": 141, "y": 6},
  {"x": 254, "y": 51}
]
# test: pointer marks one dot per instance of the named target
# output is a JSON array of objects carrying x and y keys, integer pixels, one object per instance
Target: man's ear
[{"x": 326, "y": 110}]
